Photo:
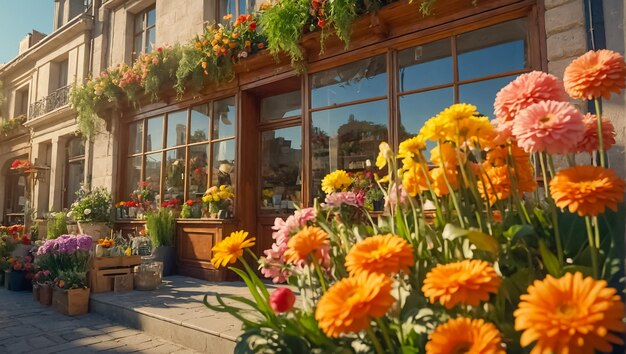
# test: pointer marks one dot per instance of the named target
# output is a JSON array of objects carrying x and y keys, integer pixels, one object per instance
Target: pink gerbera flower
[
  {"x": 589, "y": 143},
  {"x": 550, "y": 126},
  {"x": 525, "y": 90}
]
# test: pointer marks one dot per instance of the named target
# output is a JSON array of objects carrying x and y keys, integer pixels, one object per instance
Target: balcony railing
[{"x": 56, "y": 99}]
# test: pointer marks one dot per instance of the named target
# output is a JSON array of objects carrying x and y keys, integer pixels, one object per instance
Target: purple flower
[
  {"x": 84, "y": 242},
  {"x": 46, "y": 248}
]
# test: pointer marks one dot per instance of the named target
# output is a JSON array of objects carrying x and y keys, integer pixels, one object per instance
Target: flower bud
[{"x": 282, "y": 300}]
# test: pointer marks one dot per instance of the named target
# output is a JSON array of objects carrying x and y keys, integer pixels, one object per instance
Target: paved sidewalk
[{"x": 27, "y": 326}]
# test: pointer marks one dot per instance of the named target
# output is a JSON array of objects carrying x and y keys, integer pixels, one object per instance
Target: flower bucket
[
  {"x": 71, "y": 302},
  {"x": 97, "y": 230},
  {"x": 17, "y": 280},
  {"x": 45, "y": 294}
]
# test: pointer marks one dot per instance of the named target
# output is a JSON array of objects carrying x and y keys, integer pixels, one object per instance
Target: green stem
[
  {"x": 451, "y": 191},
  {"x": 318, "y": 270},
  {"x": 600, "y": 137},
  {"x": 557, "y": 234},
  {"x": 592, "y": 248},
  {"x": 386, "y": 337},
  {"x": 377, "y": 346},
  {"x": 544, "y": 173}
]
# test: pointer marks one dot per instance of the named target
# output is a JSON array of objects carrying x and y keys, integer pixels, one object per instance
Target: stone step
[{"x": 175, "y": 312}]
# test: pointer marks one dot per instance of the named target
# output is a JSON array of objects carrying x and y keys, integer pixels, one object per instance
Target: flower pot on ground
[
  {"x": 71, "y": 302},
  {"x": 97, "y": 230},
  {"x": 6, "y": 279},
  {"x": 2, "y": 278},
  {"x": 17, "y": 280},
  {"x": 35, "y": 292},
  {"x": 160, "y": 227},
  {"x": 45, "y": 294}
]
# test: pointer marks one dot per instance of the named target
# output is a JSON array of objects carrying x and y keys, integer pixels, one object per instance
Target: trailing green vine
[
  {"x": 10, "y": 125},
  {"x": 283, "y": 25}
]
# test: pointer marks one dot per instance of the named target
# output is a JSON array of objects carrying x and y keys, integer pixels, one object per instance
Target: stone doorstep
[{"x": 175, "y": 313}]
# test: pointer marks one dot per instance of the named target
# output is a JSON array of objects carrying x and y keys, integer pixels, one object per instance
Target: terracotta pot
[
  {"x": 97, "y": 230},
  {"x": 71, "y": 302},
  {"x": 45, "y": 294}
]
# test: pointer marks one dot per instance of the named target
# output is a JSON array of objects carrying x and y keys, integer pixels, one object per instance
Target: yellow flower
[
  {"x": 435, "y": 129},
  {"x": 228, "y": 17},
  {"x": 384, "y": 254},
  {"x": 465, "y": 282},
  {"x": 571, "y": 314},
  {"x": 229, "y": 249},
  {"x": 438, "y": 179},
  {"x": 411, "y": 147},
  {"x": 458, "y": 112},
  {"x": 415, "y": 180},
  {"x": 351, "y": 303},
  {"x": 384, "y": 154},
  {"x": 465, "y": 335},
  {"x": 445, "y": 156},
  {"x": 336, "y": 181}
]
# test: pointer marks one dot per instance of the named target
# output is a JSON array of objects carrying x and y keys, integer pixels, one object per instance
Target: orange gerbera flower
[
  {"x": 439, "y": 180},
  {"x": 571, "y": 314},
  {"x": 587, "y": 190},
  {"x": 414, "y": 179},
  {"x": 350, "y": 304},
  {"x": 494, "y": 183},
  {"x": 229, "y": 249},
  {"x": 385, "y": 254},
  {"x": 445, "y": 156},
  {"x": 595, "y": 74},
  {"x": 309, "y": 241},
  {"x": 465, "y": 335},
  {"x": 466, "y": 282}
]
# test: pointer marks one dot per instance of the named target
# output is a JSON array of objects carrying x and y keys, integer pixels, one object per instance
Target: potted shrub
[
  {"x": 92, "y": 211},
  {"x": 67, "y": 259},
  {"x": 57, "y": 225},
  {"x": 160, "y": 228}
]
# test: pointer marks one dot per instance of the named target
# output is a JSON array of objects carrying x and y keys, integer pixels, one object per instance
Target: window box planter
[{"x": 71, "y": 302}]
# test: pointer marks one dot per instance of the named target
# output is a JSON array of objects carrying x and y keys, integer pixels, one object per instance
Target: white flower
[
  {"x": 87, "y": 211},
  {"x": 69, "y": 215}
]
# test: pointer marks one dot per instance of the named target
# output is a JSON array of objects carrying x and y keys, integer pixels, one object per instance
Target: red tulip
[{"x": 282, "y": 300}]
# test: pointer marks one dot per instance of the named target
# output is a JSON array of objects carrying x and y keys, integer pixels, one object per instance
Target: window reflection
[
  {"x": 154, "y": 136},
  {"x": 285, "y": 105},
  {"x": 223, "y": 163},
  {"x": 494, "y": 49},
  {"x": 174, "y": 174},
  {"x": 224, "y": 118},
  {"x": 153, "y": 172},
  {"x": 135, "y": 138},
  {"x": 199, "y": 124},
  {"x": 346, "y": 138},
  {"x": 356, "y": 81},
  {"x": 133, "y": 174},
  {"x": 482, "y": 93},
  {"x": 417, "y": 108},
  {"x": 177, "y": 128},
  {"x": 425, "y": 65},
  {"x": 198, "y": 170},
  {"x": 281, "y": 169}
]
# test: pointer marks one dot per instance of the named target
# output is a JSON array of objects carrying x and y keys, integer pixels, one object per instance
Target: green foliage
[
  {"x": 84, "y": 100},
  {"x": 10, "y": 125},
  {"x": 160, "y": 225},
  {"x": 185, "y": 211},
  {"x": 283, "y": 25},
  {"x": 92, "y": 206},
  {"x": 342, "y": 16},
  {"x": 189, "y": 73},
  {"x": 57, "y": 225}
]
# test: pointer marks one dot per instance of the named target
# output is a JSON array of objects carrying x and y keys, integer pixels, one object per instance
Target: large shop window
[
  {"x": 14, "y": 194},
  {"x": 74, "y": 170},
  {"x": 348, "y": 117},
  {"x": 281, "y": 153},
  {"x": 144, "y": 32},
  {"x": 181, "y": 153},
  {"x": 471, "y": 67}
]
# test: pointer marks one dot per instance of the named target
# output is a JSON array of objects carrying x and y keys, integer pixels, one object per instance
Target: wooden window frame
[{"x": 143, "y": 17}]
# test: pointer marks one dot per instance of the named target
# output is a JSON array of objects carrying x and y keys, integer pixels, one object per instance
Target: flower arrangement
[
  {"x": 21, "y": 165},
  {"x": 491, "y": 268},
  {"x": 218, "y": 198},
  {"x": 144, "y": 196},
  {"x": 21, "y": 263},
  {"x": 10, "y": 125},
  {"x": 67, "y": 259},
  {"x": 192, "y": 208},
  {"x": 173, "y": 204},
  {"x": 92, "y": 205}
]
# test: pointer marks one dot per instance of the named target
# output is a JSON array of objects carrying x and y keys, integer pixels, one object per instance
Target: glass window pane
[
  {"x": 153, "y": 173},
  {"x": 138, "y": 48},
  {"x": 75, "y": 176},
  {"x": 151, "y": 17},
  {"x": 76, "y": 148},
  {"x": 417, "y": 108},
  {"x": 224, "y": 118},
  {"x": 483, "y": 93},
  {"x": 154, "y": 138},
  {"x": 139, "y": 22},
  {"x": 133, "y": 174},
  {"x": 346, "y": 138},
  {"x": 281, "y": 106},
  {"x": 199, "y": 124},
  {"x": 198, "y": 170},
  {"x": 223, "y": 163},
  {"x": 425, "y": 65},
  {"x": 174, "y": 185},
  {"x": 281, "y": 169},
  {"x": 150, "y": 39},
  {"x": 177, "y": 128},
  {"x": 135, "y": 137},
  {"x": 355, "y": 81},
  {"x": 492, "y": 50}
]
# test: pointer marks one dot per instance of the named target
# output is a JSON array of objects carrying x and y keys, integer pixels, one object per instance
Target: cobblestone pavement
[{"x": 27, "y": 326}]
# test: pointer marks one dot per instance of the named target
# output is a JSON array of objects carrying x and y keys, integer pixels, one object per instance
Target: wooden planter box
[
  {"x": 45, "y": 295},
  {"x": 114, "y": 262},
  {"x": 112, "y": 273},
  {"x": 71, "y": 302}
]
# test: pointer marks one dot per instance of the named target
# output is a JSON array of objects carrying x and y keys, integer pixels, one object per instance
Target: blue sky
[{"x": 20, "y": 17}]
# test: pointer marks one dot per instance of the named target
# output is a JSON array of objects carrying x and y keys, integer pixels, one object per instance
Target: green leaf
[
  {"x": 586, "y": 271},
  {"x": 550, "y": 260},
  {"x": 484, "y": 242},
  {"x": 517, "y": 231}
]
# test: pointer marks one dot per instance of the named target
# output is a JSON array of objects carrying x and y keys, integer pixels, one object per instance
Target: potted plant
[
  {"x": 67, "y": 259},
  {"x": 57, "y": 225},
  {"x": 20, "y": 273},
  {"x": 92, "y": 211},
  {"x": 160, "y": 228},
  {"x": 43, "y": 281},
  {"x": 375, "y": 199},
  {"x": 218, "y": 201}
]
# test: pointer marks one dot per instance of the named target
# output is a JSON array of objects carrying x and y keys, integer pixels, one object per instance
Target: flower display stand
[
  {"x": 71, "y": 302},
  {"x": 112, "y": 273}
]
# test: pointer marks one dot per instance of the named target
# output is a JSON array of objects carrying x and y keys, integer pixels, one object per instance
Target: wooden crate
[
  {"x": 71, "y": 302},
  {"x": 105, "y": 280},
  {"x": 114, "y": 262}
]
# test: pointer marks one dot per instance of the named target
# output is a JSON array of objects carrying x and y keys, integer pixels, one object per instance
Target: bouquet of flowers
[
  {"x": 218, "y": 198},
  {"x": 92, "y": 205},
  {"x": 67, "y": 258},
  {"x": 144, "y": 196},
  {"x": 43, "y": 277},
  {"x": 496, "y": 265}
]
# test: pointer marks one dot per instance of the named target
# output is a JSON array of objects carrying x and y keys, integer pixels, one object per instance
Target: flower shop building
[{"x": 275, "y": 126}]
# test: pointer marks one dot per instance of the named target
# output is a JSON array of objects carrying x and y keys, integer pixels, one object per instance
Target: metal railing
[{"x": 56, "y": 99}]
